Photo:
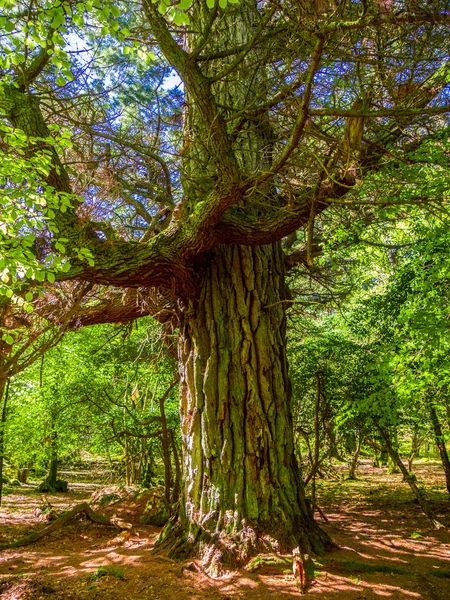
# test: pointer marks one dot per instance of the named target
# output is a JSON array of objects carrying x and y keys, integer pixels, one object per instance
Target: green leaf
[
  {"x": 58, "y": 20},
  {"x": 51, "y": 277},
  {"x": 68, "y": 75},
  {"x": 179, "y": 18}
]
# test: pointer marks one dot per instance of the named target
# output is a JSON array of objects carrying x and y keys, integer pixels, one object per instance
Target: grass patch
[
  {"x": 108, "y": 498},
  {"x": 442, "y": 573},
  {"x": 261, "y": 561},
  {"x": 356, "y": 567},
  {"x": 112, "y": 571}
]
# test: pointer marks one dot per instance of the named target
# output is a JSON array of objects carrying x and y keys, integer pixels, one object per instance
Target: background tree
[{"x": 97, "y": 389}]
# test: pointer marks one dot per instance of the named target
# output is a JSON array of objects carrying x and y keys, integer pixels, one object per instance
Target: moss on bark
[{"x": 242, "y": 491}]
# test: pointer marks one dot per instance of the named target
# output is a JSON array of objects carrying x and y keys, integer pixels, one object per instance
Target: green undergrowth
[
  {"x": 355, "y": 567},
  {"x": 375, "y": 487},
  {"x": 442, "y": 573},
  {"x": 109, "y": 571},
  {"x": 261, "y": 561},
  {"x": 108, "y": 498}
]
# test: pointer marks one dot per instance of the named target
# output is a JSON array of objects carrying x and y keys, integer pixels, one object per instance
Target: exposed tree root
[
  {"x": 223, "y": 550},
  {"x": 65, "y": 518}
]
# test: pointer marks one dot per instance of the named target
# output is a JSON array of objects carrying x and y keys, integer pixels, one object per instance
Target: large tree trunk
[
  {"x": 242, "y": 491},
  {"x": 242, "y": 488}
]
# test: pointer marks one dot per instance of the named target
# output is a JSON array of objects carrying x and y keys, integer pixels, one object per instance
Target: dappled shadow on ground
[{"x": 387, "y": 550}]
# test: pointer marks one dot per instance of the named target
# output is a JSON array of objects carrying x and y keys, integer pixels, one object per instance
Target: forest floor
[{"x": 387, "y": 550}]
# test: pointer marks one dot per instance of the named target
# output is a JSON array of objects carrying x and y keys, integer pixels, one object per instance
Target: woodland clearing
[{"x": 387, "y": 550}]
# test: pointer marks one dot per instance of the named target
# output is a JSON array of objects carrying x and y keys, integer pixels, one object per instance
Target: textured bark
[
  {"x": 241, "y": 489},
  {"x": 241, "y": 484}
]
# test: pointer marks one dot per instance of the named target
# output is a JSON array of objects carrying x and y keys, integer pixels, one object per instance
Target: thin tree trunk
[
  {"x": 53, "y": 474},
  {"x": 409, "y": 478},
  {"x": 166, "y": 450},
  {"x": 4, "y": 390},
  {"x": 391, "y": 464},
  {"x": 416, "y": 443},
  {"x": 328, "y": 425},
  {"x": 315, "y": 461},
  {"x": 176, "y": 460},
  {"x": 440, "y": 443},
  {"x": 126, "y": 451},
  {"x": 355, "y": 458}
]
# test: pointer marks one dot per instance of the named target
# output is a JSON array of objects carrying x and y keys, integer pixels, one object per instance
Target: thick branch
[
  {"x": 122, "y": 307},
  {"x": 380, "y": 20},
  {"x": 236, "y": 227},
  {"x": 199, "y": 88},
  {"x": 383, "y": 112},
  {"x": 28, "y": 74}
]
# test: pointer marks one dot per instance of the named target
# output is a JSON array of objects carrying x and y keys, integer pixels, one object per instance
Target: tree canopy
[{"x": 96, "y": 134}]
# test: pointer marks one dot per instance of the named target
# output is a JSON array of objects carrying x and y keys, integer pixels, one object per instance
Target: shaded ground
[{"x": 372, "y": 519}]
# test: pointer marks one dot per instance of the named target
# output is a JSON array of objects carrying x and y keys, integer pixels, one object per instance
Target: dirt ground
[{"x": 388, "y": 549}]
